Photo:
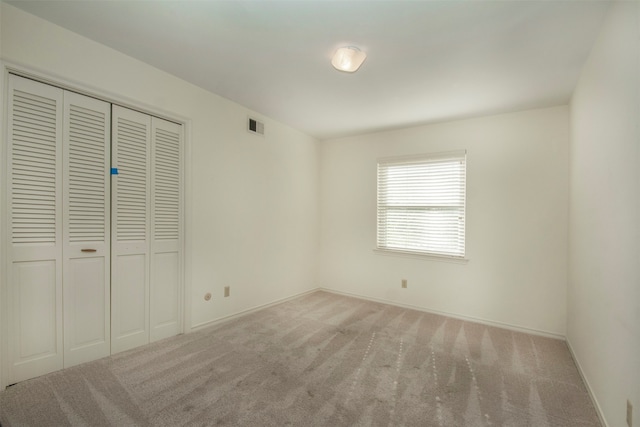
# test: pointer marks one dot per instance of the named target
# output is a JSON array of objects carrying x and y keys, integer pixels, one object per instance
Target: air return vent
[{"x": 254, "y": 126}]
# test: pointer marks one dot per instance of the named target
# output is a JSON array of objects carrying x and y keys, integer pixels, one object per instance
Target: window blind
[{"x": 421, "y": 204}]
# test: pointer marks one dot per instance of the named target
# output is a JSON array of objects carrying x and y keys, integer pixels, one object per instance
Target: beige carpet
[{"x": 319, "y": 360}]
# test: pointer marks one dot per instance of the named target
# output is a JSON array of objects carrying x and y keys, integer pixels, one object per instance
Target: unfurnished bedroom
[{"x": 320, "y": 213}]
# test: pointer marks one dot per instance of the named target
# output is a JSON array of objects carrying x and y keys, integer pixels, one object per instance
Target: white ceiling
[{"x": 427, "y": 61}]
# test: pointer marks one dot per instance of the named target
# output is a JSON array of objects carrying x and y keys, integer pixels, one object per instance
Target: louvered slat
[
  {"x": 86, "y": 184},
  {"x": 131, "y": 206},
  {"x": 33, "y": 169},
  {"x": 166, "y": 178}
]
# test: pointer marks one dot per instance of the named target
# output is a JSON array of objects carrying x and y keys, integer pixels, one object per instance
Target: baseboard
[
  {"x": 223, "y": 319},
  {"x": 453, "y": 315},
  {"x": 594, "y": 400}
]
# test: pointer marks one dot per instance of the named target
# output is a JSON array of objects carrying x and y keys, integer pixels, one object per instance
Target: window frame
[{"x": 458, "y": 255}]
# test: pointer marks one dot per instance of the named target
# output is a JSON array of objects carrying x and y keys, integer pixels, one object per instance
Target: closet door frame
[{"x": 93, "y": 90}]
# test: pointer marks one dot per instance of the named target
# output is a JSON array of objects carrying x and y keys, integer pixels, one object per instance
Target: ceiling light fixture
[{"x": 348, "y": 59}]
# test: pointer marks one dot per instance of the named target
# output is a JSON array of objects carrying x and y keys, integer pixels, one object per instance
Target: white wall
[
  {"x": 253, "y": 201},
  {"x": 603, "y": 322},
  {"x": 3, "y": 322},
  {"x": 517, "y": 191}
]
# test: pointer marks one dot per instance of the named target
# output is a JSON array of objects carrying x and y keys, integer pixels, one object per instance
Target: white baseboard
[
  {"x": 454, "y": 315},
  {"x": 587, "y": 385},
  {"x": 223, "y": 319},
  {"x": 382, "y": 301}
]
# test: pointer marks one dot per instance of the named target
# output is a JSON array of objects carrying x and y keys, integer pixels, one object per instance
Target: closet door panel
[
  {"x": 87, "y": 211},
  {"x": 132, "y": 296},
  {"x": 166, "y": 221},
  {"x": 164, "y": 295},
  {"x": 34, "y": 246},
  {"x": 86, "y": 311},
  {"x": 130, "y": 150},
  {"x": 36, "y": 320}
]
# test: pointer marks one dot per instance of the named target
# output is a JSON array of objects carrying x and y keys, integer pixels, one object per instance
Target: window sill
[{"x": 418, "y": 255}]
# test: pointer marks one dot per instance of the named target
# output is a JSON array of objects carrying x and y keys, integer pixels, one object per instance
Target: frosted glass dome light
[{"x": 348, "y": 59}]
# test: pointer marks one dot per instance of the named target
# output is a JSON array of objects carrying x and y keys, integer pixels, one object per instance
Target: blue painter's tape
[{"x": 114, "y": 171}]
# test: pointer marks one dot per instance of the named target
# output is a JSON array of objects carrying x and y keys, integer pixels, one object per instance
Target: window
[{"x": 421, "y": 204}]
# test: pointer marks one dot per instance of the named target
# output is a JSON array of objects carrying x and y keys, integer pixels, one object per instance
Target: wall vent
[{"x": 254, "y": 126}]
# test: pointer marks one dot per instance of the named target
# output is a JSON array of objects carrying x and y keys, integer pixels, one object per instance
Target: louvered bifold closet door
[
  {"x": 166, "y": 220},
  {"x": 35, "y": 229},
  {"x": 131, "y": 204},
  {"x": 86, "y": 229}
]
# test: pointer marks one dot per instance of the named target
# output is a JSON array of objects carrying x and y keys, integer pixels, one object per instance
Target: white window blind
[{"x": 421, "y": 204}]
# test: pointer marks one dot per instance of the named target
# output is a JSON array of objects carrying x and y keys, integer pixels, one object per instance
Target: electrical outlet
[
  {"x": 629, "y": 413},
  {"x": 404, "y": 283},
  {"x": 226, "y": 291}
]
